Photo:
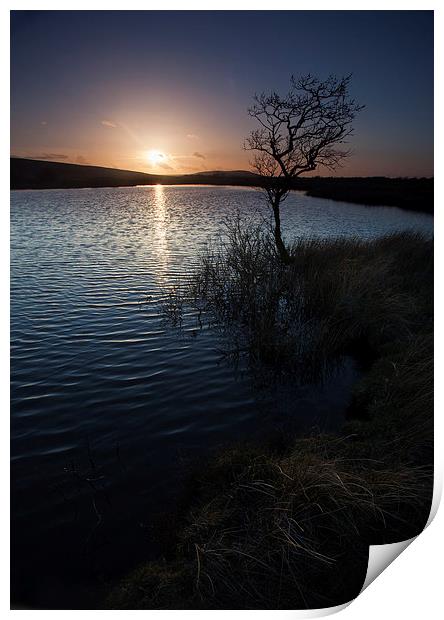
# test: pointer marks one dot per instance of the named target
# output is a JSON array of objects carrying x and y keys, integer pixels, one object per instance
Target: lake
[{"x": 109, "y": 403}]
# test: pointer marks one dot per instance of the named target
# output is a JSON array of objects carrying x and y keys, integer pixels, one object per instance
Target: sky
[{"x": 168, "y": 92}]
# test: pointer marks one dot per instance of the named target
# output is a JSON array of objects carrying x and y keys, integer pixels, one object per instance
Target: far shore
[{"x": 414, "y": 194}]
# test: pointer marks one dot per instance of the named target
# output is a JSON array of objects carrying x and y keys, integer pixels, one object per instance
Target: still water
[{"x": 109, "y": 404}]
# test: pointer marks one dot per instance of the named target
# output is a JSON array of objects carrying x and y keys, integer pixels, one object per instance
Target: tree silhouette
[{"x": 299, "y": 132}]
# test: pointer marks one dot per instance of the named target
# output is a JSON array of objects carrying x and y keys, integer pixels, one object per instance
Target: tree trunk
[{"x": 280, "y": 245}]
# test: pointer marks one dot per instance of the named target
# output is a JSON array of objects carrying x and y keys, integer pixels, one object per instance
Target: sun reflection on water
[{"x": 160, "y": 230}]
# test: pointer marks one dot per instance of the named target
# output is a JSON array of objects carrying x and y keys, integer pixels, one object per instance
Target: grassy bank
[{"x": 287, "y": 524}]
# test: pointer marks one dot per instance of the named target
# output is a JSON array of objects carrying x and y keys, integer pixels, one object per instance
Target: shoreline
[
  {"x": 288, "y": 525},
  {"x": 413, "y": 194}
]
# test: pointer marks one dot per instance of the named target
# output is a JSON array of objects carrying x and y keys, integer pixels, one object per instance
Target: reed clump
[
  {"x": 288, "y": 526},
  {"x": 338, "y": 296}
]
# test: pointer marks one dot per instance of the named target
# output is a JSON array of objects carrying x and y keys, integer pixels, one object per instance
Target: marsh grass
[
  {"x": 288, "y": 525},
  {"x": 338, "y": 296},
  {"x": 276, "y": 531}
]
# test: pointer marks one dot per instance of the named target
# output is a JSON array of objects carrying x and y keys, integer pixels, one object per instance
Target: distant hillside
[
  {"x": 243, "y": 174},
  {"x": 36, "y": 174},
  {"x": 412, "y": 194}
]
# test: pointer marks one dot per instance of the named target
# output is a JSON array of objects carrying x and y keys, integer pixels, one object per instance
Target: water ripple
[{"x": 94, "y": 367}]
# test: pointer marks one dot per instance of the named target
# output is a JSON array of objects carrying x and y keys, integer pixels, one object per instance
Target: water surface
[{"x": 109, "y": 404}]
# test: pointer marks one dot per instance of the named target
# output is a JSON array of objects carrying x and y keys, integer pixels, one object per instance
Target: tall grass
[
  {"x": 337, "y": 297},
  {"x": 288, "y": 526}
]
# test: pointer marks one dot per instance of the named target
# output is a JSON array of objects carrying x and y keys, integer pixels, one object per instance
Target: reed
[{"x": 338, "y": 296}]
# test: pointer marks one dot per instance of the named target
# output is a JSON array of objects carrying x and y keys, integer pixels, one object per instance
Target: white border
[{"x": 412, "y": 585}]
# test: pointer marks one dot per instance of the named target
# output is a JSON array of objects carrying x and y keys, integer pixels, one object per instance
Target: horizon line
[{"x": 208, "y": 172}]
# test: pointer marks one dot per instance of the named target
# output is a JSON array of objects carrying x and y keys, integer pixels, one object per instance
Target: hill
[
  {"x": 413, "y": 194},
  {"x": 37, "y": 174}
]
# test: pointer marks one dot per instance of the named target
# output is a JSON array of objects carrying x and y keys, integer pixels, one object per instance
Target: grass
[
  {"x": 287, "y": 525},
  {"x": 337, "y": 296}
]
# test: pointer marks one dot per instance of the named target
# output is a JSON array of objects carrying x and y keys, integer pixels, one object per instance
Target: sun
[{"x": 155, "y": 157}]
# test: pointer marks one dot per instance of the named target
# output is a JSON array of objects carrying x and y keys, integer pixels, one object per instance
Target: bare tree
[{"x": 299, "y": 132}]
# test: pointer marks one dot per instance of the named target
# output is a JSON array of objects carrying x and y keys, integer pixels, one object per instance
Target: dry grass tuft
[{"x": 337, "y": 297}]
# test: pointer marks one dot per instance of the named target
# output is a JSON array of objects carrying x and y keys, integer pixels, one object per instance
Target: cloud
[
  {"x": 50, "y": 156},
  {"x": 108, "y": 123},
  {"x": 199, "y": 155},
  {"x": 164, "y": 166},
  {"x": 81, "y": 160},
  {"x": 43, "y": 122},
  {"x": 191, "y": 169},
  {"x": 192, "y": 136}
]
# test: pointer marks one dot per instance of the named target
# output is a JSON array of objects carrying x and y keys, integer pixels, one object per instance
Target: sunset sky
[{"x": 168, "y": 92}]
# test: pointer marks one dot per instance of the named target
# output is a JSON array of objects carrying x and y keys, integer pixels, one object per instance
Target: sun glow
[{"x": 155, "y": 157}]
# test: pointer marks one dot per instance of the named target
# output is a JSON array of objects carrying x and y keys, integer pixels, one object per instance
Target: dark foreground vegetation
[
  {"x": 409, "y": 194},
  {"x": 287, "y": 524},
  {"x": 412, "y": 194}
]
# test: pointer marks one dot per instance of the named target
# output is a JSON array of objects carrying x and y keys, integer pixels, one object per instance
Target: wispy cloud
[
  {"x": 107, "y": 123},
  {"x": 43, "y": 122},
  {"x": 191, "y": 169},
  {"x": 81, "y": 160},
  {"x": 199, "y": 155},
  {"x": 192, "y": 136},
  {"x": 164, "y": 166},
  {"x": 50, "y": 156}
]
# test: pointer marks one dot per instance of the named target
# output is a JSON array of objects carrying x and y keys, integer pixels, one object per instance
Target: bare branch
[
  {"x": 300, "y": 130},
  {"x": 297, "y": 133}
]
